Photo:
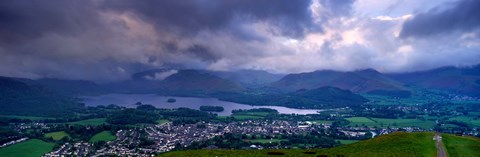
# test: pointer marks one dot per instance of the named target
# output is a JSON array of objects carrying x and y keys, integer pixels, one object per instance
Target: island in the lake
[{"x": 171, "y": 100}]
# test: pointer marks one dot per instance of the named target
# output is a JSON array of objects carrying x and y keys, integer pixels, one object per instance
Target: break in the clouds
[{"x": 107, "y": 40}]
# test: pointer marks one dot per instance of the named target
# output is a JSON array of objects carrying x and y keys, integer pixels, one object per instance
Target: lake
[{"x": 129, "y": 100}]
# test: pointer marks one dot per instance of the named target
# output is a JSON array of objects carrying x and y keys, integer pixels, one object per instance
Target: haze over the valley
[{"x": 108, "y": 40}]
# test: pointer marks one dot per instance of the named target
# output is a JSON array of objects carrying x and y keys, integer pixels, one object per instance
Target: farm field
[
  {"x": 103, "y": 136},
  {"x": 466, "y": 119},
  {"x": 384, "y": 122},
  {"x": 29, "y": 148},
  {"x": 95, "y": 122},
  {"x": 249, "y": 115},
  {"x": 347, "y": 141},
  {"x": 396, "y": 144},
  {"x": 360, "y": 121},
  {"x": 162, "y": 121},
  {"x": 461, "y": 146},
  {"x": 57, "y": 135}
]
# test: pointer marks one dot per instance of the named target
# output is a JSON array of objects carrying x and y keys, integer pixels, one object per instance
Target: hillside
[
  {"x": 67, "y": 87},
  {"x": 319, "y": 98},
  {"x": 465, "y": 80},
  {"x": 194, "y": 81},
  {"x": 461, "y": 146},
  {"x": 18, "y": 98},
  {"x": 397, "y": 144},
  {"x": 248, "y": 78},
  {"x": 362, "y": 81}
]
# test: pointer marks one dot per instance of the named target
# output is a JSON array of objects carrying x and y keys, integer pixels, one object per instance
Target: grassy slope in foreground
[
  {"x": 29, "y": 148},
  {"x": 396, "y": 144},
  {"x": 461, "y": 146},
  {"x": 103, "y": 136}
]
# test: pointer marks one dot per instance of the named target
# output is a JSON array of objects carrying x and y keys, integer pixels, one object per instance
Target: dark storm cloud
[
  {"x": 202, "y": 52},
  {"x": 461, "y": 16},
  {"x": 26, "y": 19},
  {"x": 191, "y": 16}
]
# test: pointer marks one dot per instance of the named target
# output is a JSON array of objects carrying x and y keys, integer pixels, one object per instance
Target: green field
[
  {"x": 94, "y": 122},
  {"x": 162, "y": 121},
  {"x": 29, "y": 148},
  {"x": 396, "y": 144},
  {"x": 468, "y": 120},
  {"x": 57, "y": 135},
  {"x": 360, "y": 121},
  {"x": 384, "y": 122},
  {"x": 347, "y": 141},
  {"x": 405, "y": 122},
  {"x": 474, "y": 113},
  {"x": 249, "y": 115},
  {"x": 26, "y": 117},
  {"x": 461, "y": 146},
  {"x": 102, "y": 136}
]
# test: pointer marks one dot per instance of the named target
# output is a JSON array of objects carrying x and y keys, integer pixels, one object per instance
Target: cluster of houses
[
  {"x": 167, "y": 136},
  {"x": 72, "y": 149},
  {"x": 13, "y": 142}
]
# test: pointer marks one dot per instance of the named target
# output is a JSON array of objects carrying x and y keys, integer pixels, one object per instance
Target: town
[{"x": 167, "y": 137}]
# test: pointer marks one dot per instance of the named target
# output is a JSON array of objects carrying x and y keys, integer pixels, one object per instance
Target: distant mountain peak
[
  {"x": 368, "y": 71},
  {"x": 357, "y": 81},
  {"x": 154, "y": 74}
]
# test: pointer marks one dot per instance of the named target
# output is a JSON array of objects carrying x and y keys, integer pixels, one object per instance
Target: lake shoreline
[{"x": 160, "y": 101}]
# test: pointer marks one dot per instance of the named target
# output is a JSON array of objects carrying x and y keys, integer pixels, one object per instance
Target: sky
[{"x": 108, "y": 40}]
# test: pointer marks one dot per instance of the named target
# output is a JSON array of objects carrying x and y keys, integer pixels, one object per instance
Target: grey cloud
[
  {"x": 26, "y": 19},
  {"x": 202, "y": 52},
  {"x": 338, "y": 7},
  {"x": 460, "y": 16},
  {"x": 191, "y": 16}
]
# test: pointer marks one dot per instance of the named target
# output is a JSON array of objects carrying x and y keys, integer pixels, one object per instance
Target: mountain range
[
  {"x": 464, "y": 80},
  {"x": 190, "y": 82},
  {"x": 318, "y": 89}
]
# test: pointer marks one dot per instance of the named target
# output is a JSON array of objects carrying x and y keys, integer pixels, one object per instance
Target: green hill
[{"x": 397, "y": 144}]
